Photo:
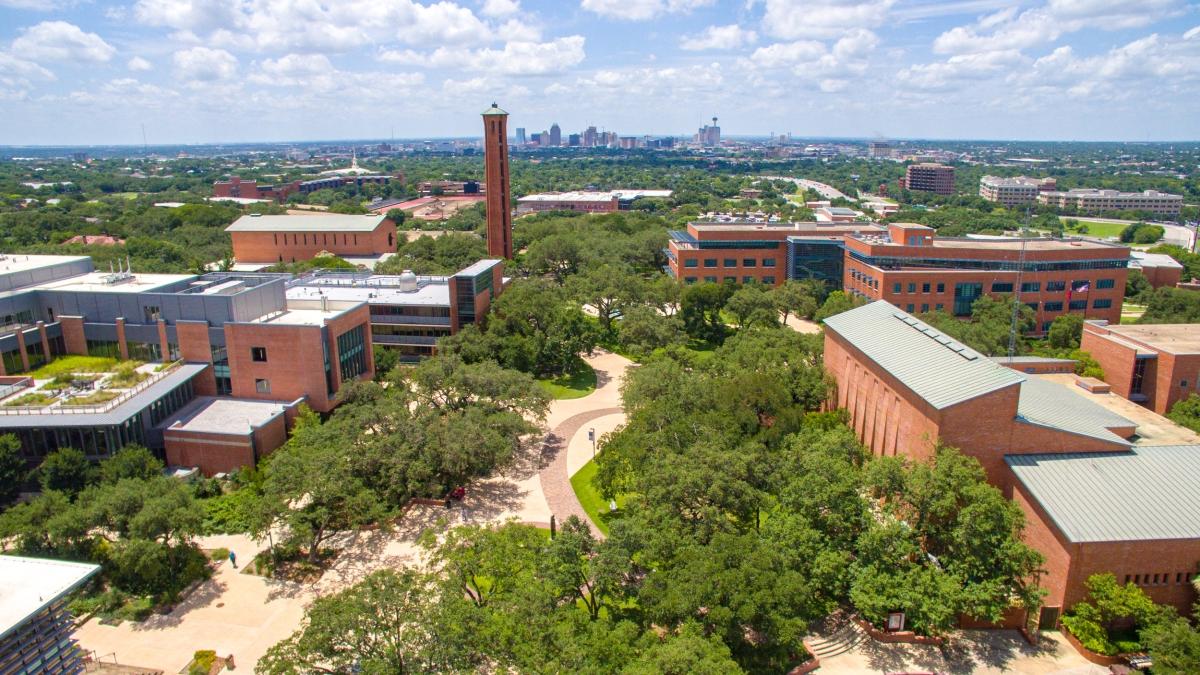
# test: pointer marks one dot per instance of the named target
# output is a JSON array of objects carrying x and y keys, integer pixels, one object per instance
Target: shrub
[{"x": 202, "y": 662}]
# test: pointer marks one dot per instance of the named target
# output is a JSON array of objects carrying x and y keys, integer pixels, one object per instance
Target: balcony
[
  {"x": 404, "y": 320},
  {"x": 411, "y": 340}
]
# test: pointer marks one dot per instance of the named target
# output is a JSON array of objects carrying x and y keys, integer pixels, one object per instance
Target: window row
[
  {"x": 729, "y": 262},
  {"x": 1162, "y": 579},
  {"x": 768, "y": 280}
]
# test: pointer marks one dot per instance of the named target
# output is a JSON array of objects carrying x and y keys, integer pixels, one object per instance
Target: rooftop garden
[{"x": 76, "y": 380}]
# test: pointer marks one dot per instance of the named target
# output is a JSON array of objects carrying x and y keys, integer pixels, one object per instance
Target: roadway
[{"x": 826, "y": 191}]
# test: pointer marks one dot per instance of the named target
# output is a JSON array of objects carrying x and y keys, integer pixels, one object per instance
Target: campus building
[
  {"x": 220, "y": 334},
  {"x": 1093, "y": 201},
  {"x": 35, "y": 626},
  {"x": 911, "y": 267},
  {"x": 237, "y": 188},
  {"x": 1159, "y": 269},
  {"x": 1156, "y": 365},
  {"x": 929, "y": 177},
  {"x": 588, "y": 201},
  {"x": 276, "y": 239},
  {"x": 1017, "y": 191},
  {"x": 763, "y": 252},
  {"x": 1098, "y": 494}
]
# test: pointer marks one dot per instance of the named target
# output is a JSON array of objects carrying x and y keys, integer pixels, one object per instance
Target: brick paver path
[{"x": 556, "y": 484}]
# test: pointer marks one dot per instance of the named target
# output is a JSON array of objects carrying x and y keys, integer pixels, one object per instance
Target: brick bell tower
[{"x": 495, "y": 159}]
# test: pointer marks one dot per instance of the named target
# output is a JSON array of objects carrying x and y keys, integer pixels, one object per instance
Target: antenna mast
[{"x": 1016, "y": 308}]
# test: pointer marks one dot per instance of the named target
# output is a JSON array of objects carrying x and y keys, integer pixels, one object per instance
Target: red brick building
[
  {"x": 1156, "y": 365},
  {"x": 1160, "y": 270},
  {"x": 275, "y": 239},
  {"x": 220, "y": 435},
  {"x": 926, "y": 177},
  {"x": 237, "y": 188},
  {"x": 908, "y": 388},
  {"x": 917, "y": 271}
]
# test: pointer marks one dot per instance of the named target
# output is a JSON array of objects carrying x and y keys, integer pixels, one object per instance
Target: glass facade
[
  {"x": 823, "y": 260},
  {"x": 104, "y": 348},
  {"x": 891, "y": 263},
  {"x": 149, "y": 352},
  {"x": 965, "y": 295},
  {"x": 220, "y": 360},
  {"x": 352, "y": 353}
]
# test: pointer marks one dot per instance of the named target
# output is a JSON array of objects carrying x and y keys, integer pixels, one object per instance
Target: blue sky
[{"x": 197, "y": 71}]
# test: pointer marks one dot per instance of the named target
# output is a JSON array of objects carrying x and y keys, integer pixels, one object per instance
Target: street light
[{"x": 592, "y": 438}]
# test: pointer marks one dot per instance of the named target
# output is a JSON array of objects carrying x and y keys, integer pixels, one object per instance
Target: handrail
[{"x": 64, "y": 409}]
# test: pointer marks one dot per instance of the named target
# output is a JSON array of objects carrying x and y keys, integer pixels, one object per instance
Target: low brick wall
[
  {"x": 898, "y": 637},
  {"x": 813, "y": 662}
]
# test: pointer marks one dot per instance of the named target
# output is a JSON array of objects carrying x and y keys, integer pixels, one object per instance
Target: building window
[
  {"x": 103, "y": 348},
  {"x": 1031, "y": 287},
  {"x": 710, "y": 262},
  {"x": 768, "y": 262},
  {"x": 749, "y": 262},
  {"x": 1032, "y": 305},
  {"x": 965, "y": 295},
  {"x": 924, "y": 288},
  {"x": 909, "y": 308},
  {"x": 1106, "y": 283},
  {"x": 258, "y": 354},
  {"x": 691, "y": 262},
  {"x": 352, "y": 353},
  {"x": 941, "y": 288},
  {"x": 689, "y": 280},
  {"x": 1002, "y": 287},
  {"x": 924, "y": 307},
  {"x": 152, "y": 313},
  {"x": 768, "y": 280},
  {"x": 1078, "y": 304},
  {"x": 1054, "y": 286},
  {"x": 1102, "y": 303},
  {"x": 895, "y": 288},
  {"x": 939, "y": 307},
  {"x": 262, "y": 386},
  {"x": 747, "y": 280},
  {"x": 912, "y": 288},
  {"x": 710, "y": 280},
  {"x": 731, "y": 262},
  {"x": 1052, "y": 306},
  {"x": 732, "y": 280}
]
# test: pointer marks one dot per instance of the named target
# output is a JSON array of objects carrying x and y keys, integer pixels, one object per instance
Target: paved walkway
[
  {"x": 802, "y": 325},
  {"x": 990, "y": 652},
  {"x": 556, "y": 483}
]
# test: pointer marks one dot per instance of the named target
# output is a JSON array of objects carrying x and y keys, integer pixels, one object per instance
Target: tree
[
  {"x": 1171, "y": 305},
  {"x": 701, "y": 309},
  {"x": 66, "y": 470},
  {"x": 484, "y": 562},
  {"x": 642, "y": 330},
  {"x": 132, "y": 461},
  {"x": 1066, "y": 331},
  {"x": 1174, "y": 646},
  {"x": 608, "y": 289},
  {"x": 557, "y": 254},
  {"x": 12, "y": 468},
  {"x": 1142, "y": 233},
  {"x": 836, "y": 303},
  {"x": 397, "y": 216},
  {"x": 1108, "y": 605},
  {"x": 1186, "y": 412},
  {"x": 801, "y": 298},
  {"x": 580, "y": 568},
  {"x": 753, "y": 305},
  {"x": 386, "y": 623}
]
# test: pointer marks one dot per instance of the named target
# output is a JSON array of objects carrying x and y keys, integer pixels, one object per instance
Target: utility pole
[{"x": 1016, "y": 308}]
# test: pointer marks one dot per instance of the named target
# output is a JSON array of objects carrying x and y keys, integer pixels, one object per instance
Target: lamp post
[{"x": 592, "y": 438}]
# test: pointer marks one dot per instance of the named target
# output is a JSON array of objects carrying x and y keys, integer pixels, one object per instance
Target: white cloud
[
  {"x": 808, "y": 19},
  {"x": 788, "y": 53},
  {"x": 61, "y": 41},
  {"x": 138, "y": 64},
  {"x": 35, "y": 5},
  {"x": 1192, "y": 34},
  {"x": 499, "y": 8},
  {"x": 19, "y": 74},
  {"x": 960, "y": 71},
  {"x": 516, "y": 58},
  {"x": 306, "y": 25},
  {"x": 815, "y": 61},
  {"x": 719, "y": 37},
  {"x": 641, "y": 10},
  {"x": 1041, "y": 25},
  {"x": 1142, "y": 69},
  {"x": 202, "y": 64}
]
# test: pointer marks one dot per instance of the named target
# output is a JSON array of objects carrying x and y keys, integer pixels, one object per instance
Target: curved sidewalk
[{"x": 556, "y": 483}]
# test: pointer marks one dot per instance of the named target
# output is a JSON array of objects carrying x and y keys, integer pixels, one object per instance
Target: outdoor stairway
[{"x": 845, "y": 638}]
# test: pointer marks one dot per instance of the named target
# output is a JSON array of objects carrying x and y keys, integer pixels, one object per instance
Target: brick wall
[
  {"x": 74, "y": 340},
  {"x": 195, "y": 347},
  {"x": 273, "y": 247},
  {"x": 294, "y": 366},
  {"x": 212, "y": 453}
]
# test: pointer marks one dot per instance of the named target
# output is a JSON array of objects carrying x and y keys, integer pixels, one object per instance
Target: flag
[{"x": 1083, "y": 288}]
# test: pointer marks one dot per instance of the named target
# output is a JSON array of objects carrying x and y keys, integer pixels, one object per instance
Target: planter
[
  {"x": 1098, "y": 659},
  {"x": 813, "y": 662},
  {"x": 898, "y": 637}
]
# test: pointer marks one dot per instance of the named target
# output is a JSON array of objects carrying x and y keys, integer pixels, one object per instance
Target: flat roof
[
  {"x": 1047, "y": 403},
  {"x": 1152, "y": 428},
  {"x": 1143, "y": 259},
  {"x": 1146, "y": 493},
  {"x": 1014, "y": 244},
  {"x": 96, "y": 282},
  {"x": 212, "y": 415},
  {"x": 372, "y": 290},
  {"x": 1173, "y": 338},
  {"x": 478, "y": 267},
  {"x": 801, "y": 226},
  {"x": 315, "y": 223},
  {"x": 936, "y": 367},
  {"x": 12, "y": 263},
  {"x": 593, "y": 195},
  {"x": 29, "y": 585}
]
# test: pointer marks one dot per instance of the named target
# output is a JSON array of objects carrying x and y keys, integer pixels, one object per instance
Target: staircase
[{"x": 843, "y": 639}]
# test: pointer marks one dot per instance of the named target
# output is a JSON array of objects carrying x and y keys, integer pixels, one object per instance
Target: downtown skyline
[{"x": 200, "y": 71}]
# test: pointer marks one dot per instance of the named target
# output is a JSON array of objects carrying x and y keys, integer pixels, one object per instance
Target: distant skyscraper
[
  {"x": 555, "y": 135},
  {"x": 589, "y": 137},
  {"x": 520, "y": 135},
  {"x": 495, "y": 160},
  {"x": 709, "y": 135},
  {"x": 573, "y": 140}
]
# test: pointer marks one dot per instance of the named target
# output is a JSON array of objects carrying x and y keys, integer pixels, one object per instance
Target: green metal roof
[
  {"x": 1050, "y": 404},
  {"x": 1147, "y": 493},
  {"x": 939, "y": 369},
  {"x": 494, "y": 110}
]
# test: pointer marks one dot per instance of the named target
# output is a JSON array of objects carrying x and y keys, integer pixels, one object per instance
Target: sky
[{"x": 210, "y": 71}]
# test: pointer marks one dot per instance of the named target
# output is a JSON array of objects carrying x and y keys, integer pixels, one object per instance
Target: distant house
[{"x": 96, "y": 240}]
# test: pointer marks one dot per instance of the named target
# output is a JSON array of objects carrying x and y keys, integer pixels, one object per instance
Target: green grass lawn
[
  {"x": 1097, "y": 228},
  {"x": 589, "y": 497},
  {"x": 74, "y": 363},
  {"x": 578, "y": 383}
]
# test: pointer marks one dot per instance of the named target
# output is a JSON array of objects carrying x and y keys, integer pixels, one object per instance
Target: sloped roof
[
  {"x": 318, "y": 223},
  {"x": 1050, "y": 404},
  {"x": 29, "y": 585},
  {"x": 1147, "y": 493},
  {"x": 939, "y": 369}
]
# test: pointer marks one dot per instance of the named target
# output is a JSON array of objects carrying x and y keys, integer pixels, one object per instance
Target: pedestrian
[{"x": 233, "y": 559}]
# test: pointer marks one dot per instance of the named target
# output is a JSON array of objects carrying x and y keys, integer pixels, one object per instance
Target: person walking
[{"x": 233, "y": 559}]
